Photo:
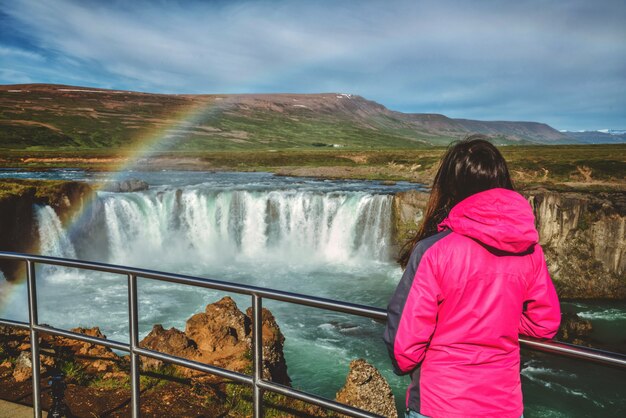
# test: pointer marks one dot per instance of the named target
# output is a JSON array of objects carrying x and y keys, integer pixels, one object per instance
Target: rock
[
  {"x": 172, "y": 341},
  {"x": 221, "y": 328},
  {"x": 24, "y": 367},
  {"x": 408, "y": 209},
  {"x": 94, "y": 358},
  {"x": 583, "y": 235},
  {"x": 124, "y": 186},
  {"x": 367, "y": 389},
  {"x": 408, "y": 206},
  {"x": 584, "y": 238},
  {"x": 17, "y": 218},
  {"x": 274, "y": 364},
  {"x": 574, "y": 329},
  {"x": 221, "y": 336}
]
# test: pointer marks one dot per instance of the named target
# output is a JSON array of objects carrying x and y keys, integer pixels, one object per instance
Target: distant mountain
[
  {"x": 41, "y": 116},
  {"x": 604, "y": 136}
]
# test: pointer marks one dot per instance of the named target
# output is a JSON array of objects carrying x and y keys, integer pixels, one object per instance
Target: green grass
[
  {"x": 74, "y": 373},
  {"x": 152, "y": 379},
  {"x": 42, "y": 190},
  {"x": 553, "y": 166},
  {"x": 239, "y": 402}
]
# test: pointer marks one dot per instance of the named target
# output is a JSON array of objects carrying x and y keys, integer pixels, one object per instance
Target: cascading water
[
  {"x": 54, "y": 241},
  {"x": 211, "y": 226}
]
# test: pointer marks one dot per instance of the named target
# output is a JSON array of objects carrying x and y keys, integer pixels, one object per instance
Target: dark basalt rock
[{"x": 125, "y": 186}]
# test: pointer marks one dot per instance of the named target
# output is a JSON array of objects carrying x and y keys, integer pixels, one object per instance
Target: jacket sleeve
[
  {"x": 412, "y": 313},
  {"x": 542, "y": 312}
]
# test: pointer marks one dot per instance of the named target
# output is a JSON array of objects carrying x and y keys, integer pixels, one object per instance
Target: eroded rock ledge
[
  {"x": 18, "y": 228},
  {"x": 583, "y": 235}
]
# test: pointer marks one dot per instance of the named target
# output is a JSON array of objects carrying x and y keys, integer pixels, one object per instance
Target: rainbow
[{"x": 152, "y": 141}]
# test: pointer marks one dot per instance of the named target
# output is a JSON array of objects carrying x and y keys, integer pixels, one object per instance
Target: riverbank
[{"x": 563, "y": 167}]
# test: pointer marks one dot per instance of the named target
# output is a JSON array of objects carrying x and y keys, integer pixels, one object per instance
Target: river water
[{"x": 318, "y": 237}]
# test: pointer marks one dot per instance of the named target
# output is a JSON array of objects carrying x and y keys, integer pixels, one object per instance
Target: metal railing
[{"x": 256, "y": 381}]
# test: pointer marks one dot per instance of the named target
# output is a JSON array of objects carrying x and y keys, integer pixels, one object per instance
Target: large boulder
[
  {"x": 367, "y": 389},
  {"x": 221, "y": 336}
]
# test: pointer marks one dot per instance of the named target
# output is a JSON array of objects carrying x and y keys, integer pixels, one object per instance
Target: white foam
[
  {"x": 545, "y": 377},
  {"x": 612, "y": 314}
]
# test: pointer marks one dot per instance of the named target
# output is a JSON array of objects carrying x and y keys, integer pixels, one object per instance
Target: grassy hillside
[{"x": 52, "y": 117}]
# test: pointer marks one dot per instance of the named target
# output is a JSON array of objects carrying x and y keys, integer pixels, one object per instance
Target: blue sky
[{"x": 559, "y": 62}]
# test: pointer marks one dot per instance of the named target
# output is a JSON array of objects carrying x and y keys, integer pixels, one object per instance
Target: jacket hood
[{"x": 499, "y": 218}]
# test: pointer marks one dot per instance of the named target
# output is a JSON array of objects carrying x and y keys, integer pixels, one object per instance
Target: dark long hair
[{"x": 468, "y": 167}]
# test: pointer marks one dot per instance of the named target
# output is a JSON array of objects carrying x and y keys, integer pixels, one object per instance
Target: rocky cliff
[
  {"x": 18, "y": 228},
  {"x": 583, "y": 235},
  {"x": 97, "y": 380}
]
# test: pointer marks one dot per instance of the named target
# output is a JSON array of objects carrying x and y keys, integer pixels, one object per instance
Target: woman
[{"x": 475, "y": 276}]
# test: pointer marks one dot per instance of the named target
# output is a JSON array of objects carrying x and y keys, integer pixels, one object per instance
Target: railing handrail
[
  {"x": 257, "y": 293},
  {"x": 281, "y": 295}
]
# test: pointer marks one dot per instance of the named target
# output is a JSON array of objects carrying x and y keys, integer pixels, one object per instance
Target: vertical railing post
[
  {"x": 134, "y": 342},
  {"x": 257, "y": 348},
  {"x": 33, "y": 319}
]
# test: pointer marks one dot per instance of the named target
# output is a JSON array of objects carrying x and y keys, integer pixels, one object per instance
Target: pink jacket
[{"x": 466, "y": 294}]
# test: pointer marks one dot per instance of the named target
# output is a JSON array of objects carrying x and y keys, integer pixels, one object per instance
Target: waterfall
[
  {"x": 200, "y": 225},
  {"x": 54, "y": 241}
]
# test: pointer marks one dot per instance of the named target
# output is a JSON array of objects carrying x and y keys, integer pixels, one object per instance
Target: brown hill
[{"x": 41, "y": 116}]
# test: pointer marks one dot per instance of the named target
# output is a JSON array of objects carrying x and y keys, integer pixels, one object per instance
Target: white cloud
[
  {"x": 479, "y": 58},
  {"x": 8, "y": 53}
]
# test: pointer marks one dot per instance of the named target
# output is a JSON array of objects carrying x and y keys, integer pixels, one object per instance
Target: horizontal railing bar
[
  {"x": 315, "y": 400},
  {"x": 116, "y": 345},
  {"x": 228, "y": 374},
  {"x": 569, "y": 350},
  {"x": 16, "y": 324},
  {"x": 576, "y": 351},
  {"x": 323, "y": 303},
  {"x": 316, "y": 302},
  {"x": 345, "y": 307}
]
